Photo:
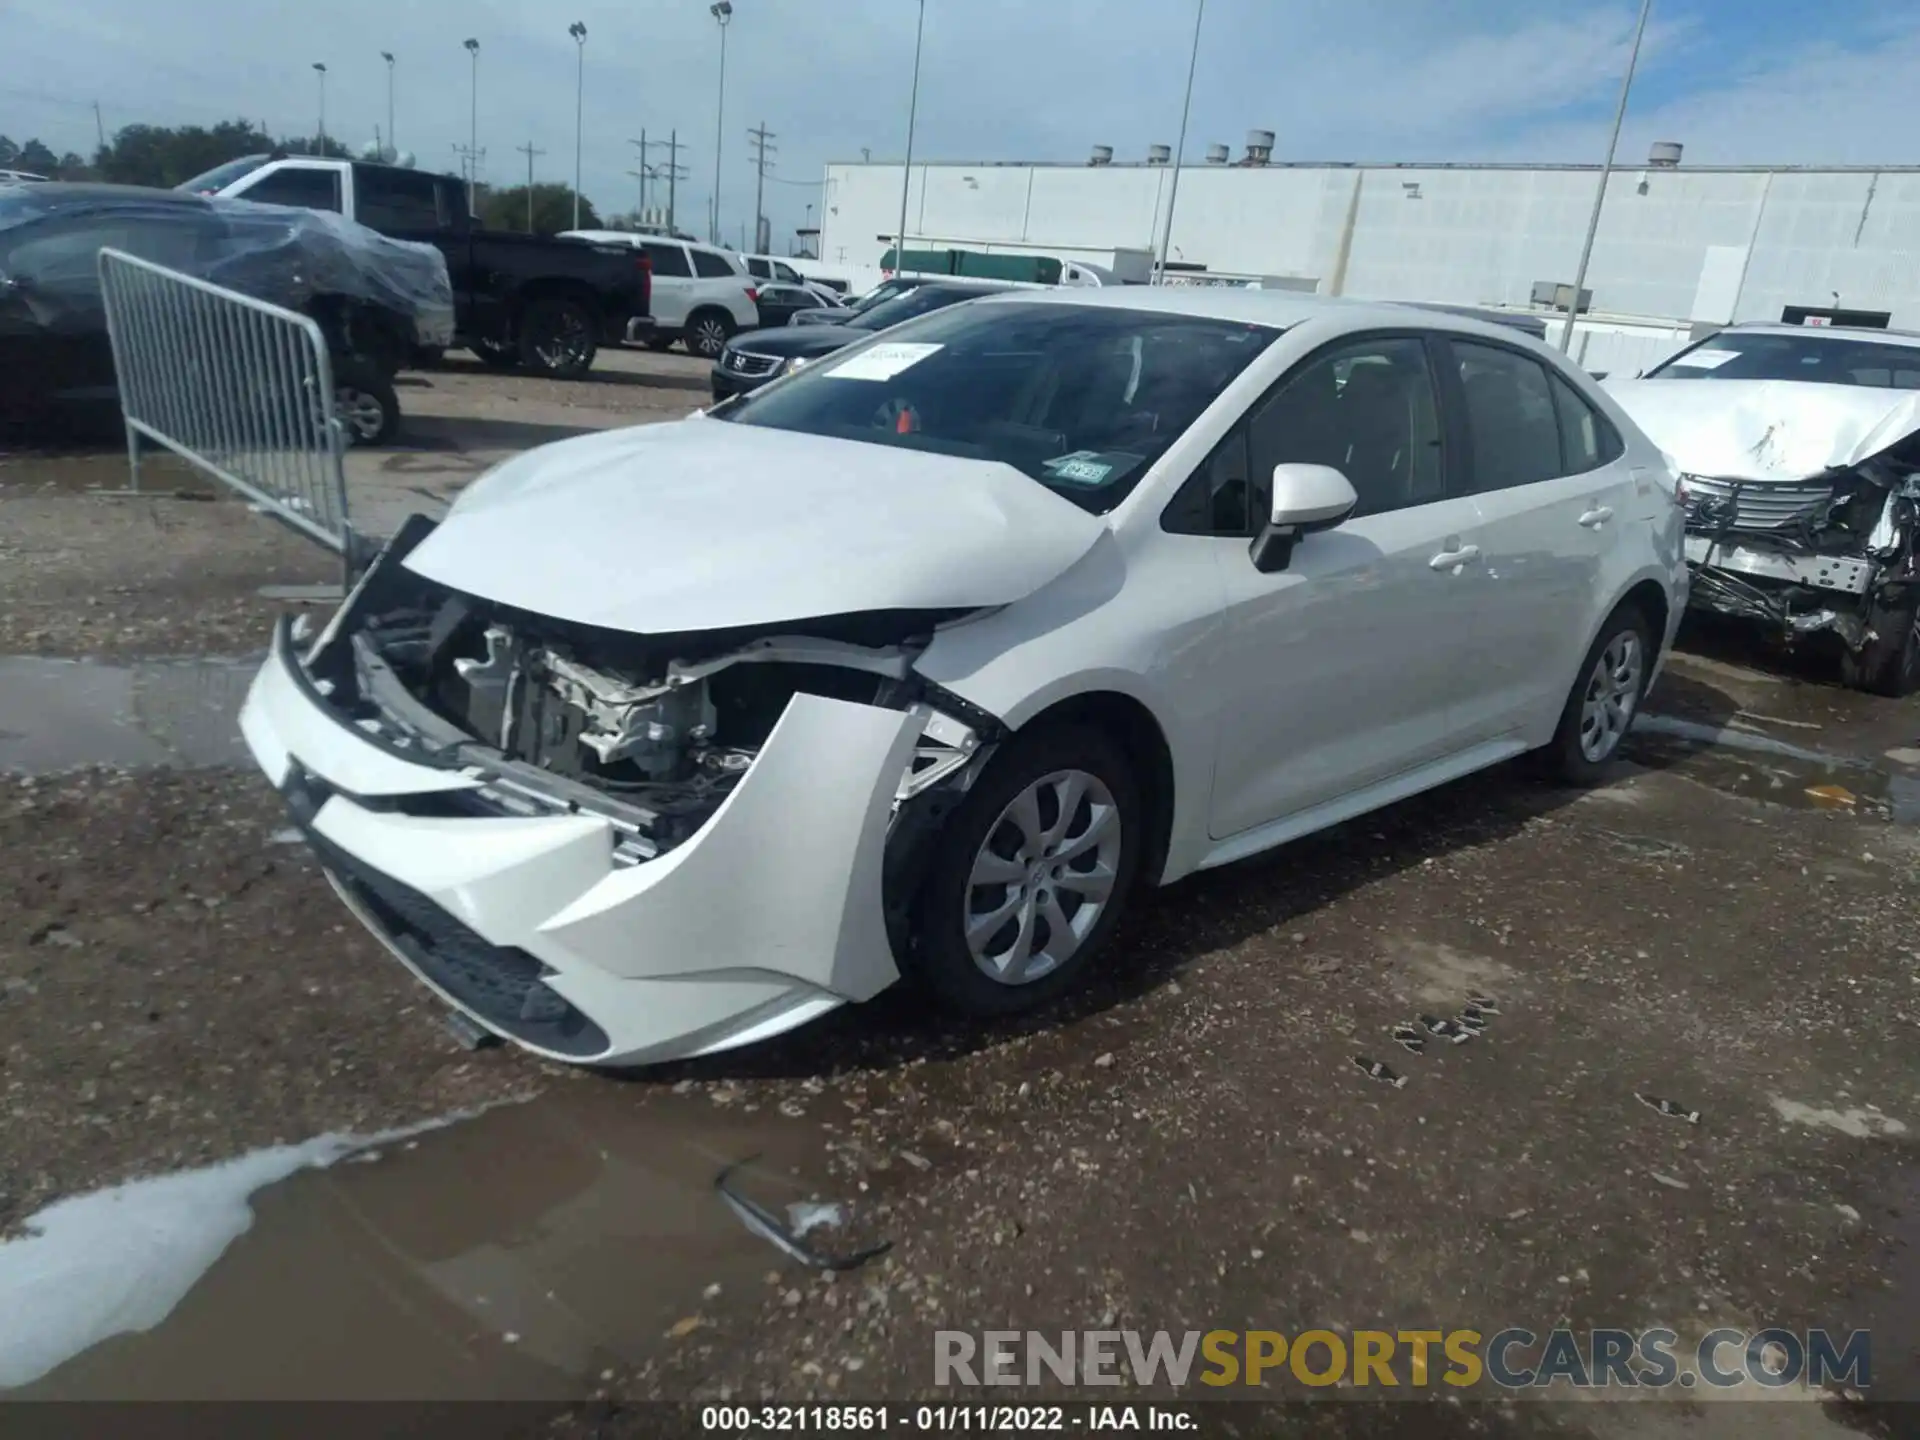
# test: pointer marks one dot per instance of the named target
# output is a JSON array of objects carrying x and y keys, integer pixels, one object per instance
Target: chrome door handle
[
  {"x": 1454, "y": 559},
  {"x": 1596, "y": 517}
]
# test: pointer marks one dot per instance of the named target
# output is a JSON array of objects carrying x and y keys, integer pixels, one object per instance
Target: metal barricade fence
[{"x": 238, "y": 388}]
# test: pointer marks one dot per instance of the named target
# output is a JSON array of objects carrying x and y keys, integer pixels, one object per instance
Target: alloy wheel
[
  {"x": 1043, "y": 877},
  {"x": 709, "y": 338},
  {"x": 1613, "y": 693},
  {"x": 566, "y": 343},
  {"x": 361, "y": 413}
]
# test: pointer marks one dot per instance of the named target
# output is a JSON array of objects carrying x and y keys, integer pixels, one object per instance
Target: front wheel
[
  {"x": 1030, "y": 874},
  {"x": 557, "y": 339},
  {"x": 1888, "y": 664},
  {"x": 1605, "y": 699}
]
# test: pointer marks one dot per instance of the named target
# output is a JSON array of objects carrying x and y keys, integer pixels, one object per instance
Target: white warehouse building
[{"x": 1678, "y": 245}]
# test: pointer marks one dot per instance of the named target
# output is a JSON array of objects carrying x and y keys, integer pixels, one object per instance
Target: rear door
[
  {"x": 672, "y": 282},
  {"x": 1551, "y": 481},
  {"x": 1345, "y": 668}
]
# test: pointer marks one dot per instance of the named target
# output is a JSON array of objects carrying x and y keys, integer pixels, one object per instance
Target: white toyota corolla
[{"x": 670, "y": 739}]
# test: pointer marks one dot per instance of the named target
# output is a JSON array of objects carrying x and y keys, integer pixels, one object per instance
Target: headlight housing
[{"x": 798, "y": 362}]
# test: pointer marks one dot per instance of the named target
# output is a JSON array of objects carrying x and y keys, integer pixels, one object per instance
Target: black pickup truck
[{"x": 531, "y": 300}]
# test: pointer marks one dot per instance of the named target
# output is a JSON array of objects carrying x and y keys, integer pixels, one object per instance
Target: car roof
[
  {"x": 1281, "y": 309},
  {"x": 1909, "y": 338},
  {"x": 52, "y": 193}
]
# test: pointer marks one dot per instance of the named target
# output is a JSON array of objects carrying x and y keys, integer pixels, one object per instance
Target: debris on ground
[
  {"x": 762, "y": 1222},
  {"x": 1669, "y": 1108},
  {"x": 1377, "y": 1071}
]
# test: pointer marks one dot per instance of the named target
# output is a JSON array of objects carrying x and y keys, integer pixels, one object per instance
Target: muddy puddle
[
  {"x": 1759, "y": 766},
  {"x": 513, "y": 1256},
  {"x": 57, "y": 714}
]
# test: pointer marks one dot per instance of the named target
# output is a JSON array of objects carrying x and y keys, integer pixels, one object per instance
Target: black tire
[
  {"x": 708, "y": 332},
  {"x": 558, "y": 339},
  {"x": 661, "y": 342},
  {"x": 1570, "y": 756},
  {"x": 941, "y": 960},
  {"x": 364, "y": 402},
  {"x": 496, "y": 354},
  {"x": 1888, "y": 664}
]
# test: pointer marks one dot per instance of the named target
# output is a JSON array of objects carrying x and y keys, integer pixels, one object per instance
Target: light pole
[
  {"x": 473, "y": 129},
  {"x": 579, "y": 34},
  {"x": 321, "y": 70},
  {"x": 1180, "y": 147},
  {"x": 722, "y": 11},
  {"x": 1606, "y": 172},
  {"x": 906, "y": 179},
  {"x": 392, "y": 143}
]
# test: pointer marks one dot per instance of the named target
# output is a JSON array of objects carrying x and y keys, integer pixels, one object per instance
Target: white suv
[{"x": 702, "y": 295}]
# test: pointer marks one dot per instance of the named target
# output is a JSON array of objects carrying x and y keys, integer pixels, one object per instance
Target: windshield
[
  {"x": 1822, "y": 359},
  {"x": 1080, "y": 398},
  {"x": 879, "y": 295},
  {"x": 211, "y": 182}
]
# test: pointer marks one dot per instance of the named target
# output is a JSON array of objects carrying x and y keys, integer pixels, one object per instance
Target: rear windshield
[
  {"x": 213, "y": 181},
  {"x": 1082, "y": 399},
  {"x": 1824, "y": 360}
]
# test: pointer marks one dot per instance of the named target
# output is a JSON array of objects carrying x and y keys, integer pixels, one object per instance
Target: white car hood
[
  {"x": 1767, "y": 429},
  {"x": 704, "y": 525}
]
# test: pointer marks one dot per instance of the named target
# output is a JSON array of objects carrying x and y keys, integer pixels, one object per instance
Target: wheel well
[
  {"x": 537, "y": 290},
  {"x": 1651, "y": 601},
  {"x": 1132, "y": 724},
  {"x": 720, "y": 310}
]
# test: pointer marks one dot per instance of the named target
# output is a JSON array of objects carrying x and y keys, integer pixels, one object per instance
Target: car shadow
[
  {"x": 599, "y": 375},
  {"x": 1168, "y": 930},
  {"x": 1815, "y": 660},
  {"x": 454, "y": 435}
]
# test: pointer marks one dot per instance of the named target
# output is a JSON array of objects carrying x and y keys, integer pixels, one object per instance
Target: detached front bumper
[
  {"x": 767, "y": 916},
  {"x": 1794, "y": 591}
]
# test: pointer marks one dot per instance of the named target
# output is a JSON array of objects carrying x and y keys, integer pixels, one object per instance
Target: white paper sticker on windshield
[
  {"x": 881, "y": 362},
  {"x": 1706, "y": 359}
]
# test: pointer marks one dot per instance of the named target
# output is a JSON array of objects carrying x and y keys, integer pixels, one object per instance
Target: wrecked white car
[
  {"x": 669, "y": 739},
  {"x": 1800, "y": 451}
]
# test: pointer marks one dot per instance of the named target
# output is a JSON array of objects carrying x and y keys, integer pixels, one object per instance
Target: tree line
[{"x": 165, "y": 155}]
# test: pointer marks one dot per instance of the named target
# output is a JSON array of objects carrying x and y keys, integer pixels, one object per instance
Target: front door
[
  {"x": 1551, "y": 480},
  {"x": 1345, "y": 668}
]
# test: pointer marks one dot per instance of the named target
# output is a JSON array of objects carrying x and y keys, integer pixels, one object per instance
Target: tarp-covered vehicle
[
  {"x": 378, "y": 301},
  {"x": 1800, "y": 452}
]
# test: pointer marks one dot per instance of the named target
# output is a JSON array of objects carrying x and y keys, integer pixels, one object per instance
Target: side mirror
[{"x": 1306, "y": 498}]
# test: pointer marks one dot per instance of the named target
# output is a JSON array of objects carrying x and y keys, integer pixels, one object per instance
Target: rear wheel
[
  {"x": 364, "y": 402},
  {"x": 1888, "y": 664},
  {"x": 708, "y": 332},
  {"x": 1606, "y": 697},
  {"x": 1030, "y": 874},
  {"x": 557, "y": 339}
]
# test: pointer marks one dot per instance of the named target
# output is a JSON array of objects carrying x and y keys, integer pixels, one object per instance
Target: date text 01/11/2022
[{"x": 978, "y": 1419}]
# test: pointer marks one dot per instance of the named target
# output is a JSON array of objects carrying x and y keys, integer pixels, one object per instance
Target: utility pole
[
  {"x": 528, "y": 151},
  {"x": 392, "y": 144},
  {"x": 99, "y": 125},
  {"x": 673, "y": 172},
  {"x": 763, "y": 147},
  {"x": 645, "y": 169}
]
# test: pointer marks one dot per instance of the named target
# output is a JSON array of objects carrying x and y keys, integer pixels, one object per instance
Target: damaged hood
[
  {"x": 1767, "y": 429},
  {"x": 706, "y": 525}
]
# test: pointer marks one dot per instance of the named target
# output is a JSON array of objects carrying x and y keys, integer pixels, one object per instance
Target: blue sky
[{"x": 1764, "y": 80}]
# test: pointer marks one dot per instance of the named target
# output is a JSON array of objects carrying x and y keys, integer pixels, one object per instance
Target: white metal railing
[{"x": 238, "y": 388}]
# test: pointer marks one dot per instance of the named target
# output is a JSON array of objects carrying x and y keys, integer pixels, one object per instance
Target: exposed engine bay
[{"x": 652, "y": 731}]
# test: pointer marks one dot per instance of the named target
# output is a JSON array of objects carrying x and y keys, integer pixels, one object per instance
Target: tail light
[{"x": 753, "y": 295}]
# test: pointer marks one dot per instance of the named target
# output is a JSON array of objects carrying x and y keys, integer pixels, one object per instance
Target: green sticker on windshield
[{"x": 1082, "y": 472}]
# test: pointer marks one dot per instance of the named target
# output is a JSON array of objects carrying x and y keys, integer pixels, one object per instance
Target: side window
[
  {"x": 1510, "y": 417},
  {"x": 1217, "y": 499},
  {"x": 788, "y": 274},
  {"x": 709, "y": 266},
  {"x": 668, "y": 260},
  {"x": 759, "y": 269},
  {"x": 1587, "y": 439},
  {"x": 452, "y": 197},
  {"x": 397, "y": 200},
  {"x": 1367, "y": 408},
  {"x": 298, "y": 186}
]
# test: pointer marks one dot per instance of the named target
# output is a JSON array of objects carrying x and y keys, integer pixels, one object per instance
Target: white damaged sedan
[{"x": 670, "y": 739}]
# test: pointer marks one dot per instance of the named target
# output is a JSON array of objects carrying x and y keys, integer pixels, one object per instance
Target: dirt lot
[{"x": 1191, "y": 1145}]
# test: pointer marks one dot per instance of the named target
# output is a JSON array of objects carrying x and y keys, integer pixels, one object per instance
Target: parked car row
[{"x": 913, "y": 662}]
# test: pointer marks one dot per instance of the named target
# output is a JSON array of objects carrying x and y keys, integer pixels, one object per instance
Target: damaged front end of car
[
  {"x": 679, "y": 810},
  {"x": 1831, "y": 552}
]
